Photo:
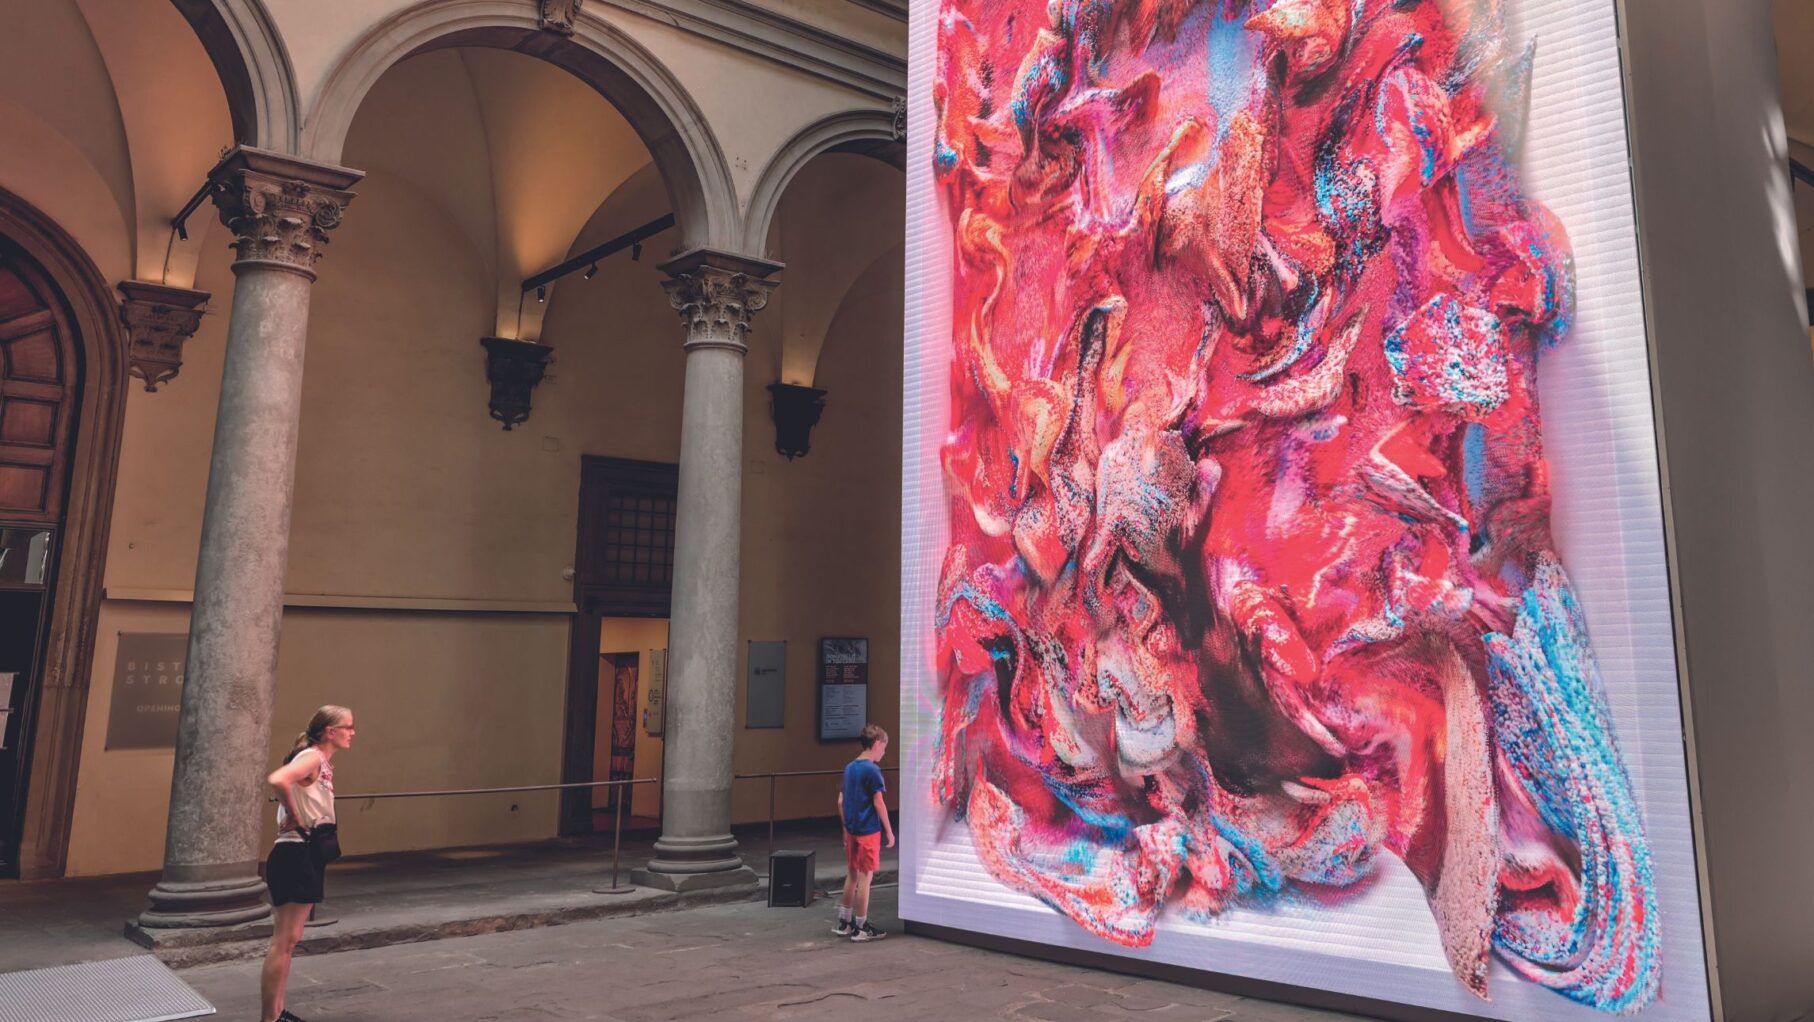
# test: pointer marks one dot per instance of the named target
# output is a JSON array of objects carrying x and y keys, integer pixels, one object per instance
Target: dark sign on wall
[
  {"x": 765, "y": 692},
  {"x": 147, "y": 690}
]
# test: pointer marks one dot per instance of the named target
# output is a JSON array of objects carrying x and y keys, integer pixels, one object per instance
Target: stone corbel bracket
[
  {"x": 557, "y": 16},
  {"x": 159, "y": 319},
  {"x": 514, "y": 369},
  {"x": 796, "y": 410}
]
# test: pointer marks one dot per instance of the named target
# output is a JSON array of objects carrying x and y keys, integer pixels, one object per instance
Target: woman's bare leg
[{"x": 287, "y": 922}]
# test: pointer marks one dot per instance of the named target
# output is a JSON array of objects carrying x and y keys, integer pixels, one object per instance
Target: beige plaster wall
[
  {"x": 123, "y": 796},
  {"x": 65, "y": 148},
  {"x": 1804, "y": 212},
  {"x": 1793, "y": 21},
  {"x": 754, "y": 105},
  {"x": 821, "y": 534},
  {"x": 175, "y": 122},
  {"x": 111, "y": 116},
  {"x": 406, "y": 490},
  {"x": 50, "y": 42},
  {"x": 836, "y": 188},
  {"x": 439, "y": 703}
]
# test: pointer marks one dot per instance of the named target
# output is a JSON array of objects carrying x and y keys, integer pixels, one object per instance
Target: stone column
[
  {"x": 716, "y": 295},
  {"x": 280, "y": 209}
]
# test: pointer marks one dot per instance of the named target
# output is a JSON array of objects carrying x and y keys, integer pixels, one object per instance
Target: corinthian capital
[
  {"x": 280, "y": 208},
  {"x": 716, "y": 294}
]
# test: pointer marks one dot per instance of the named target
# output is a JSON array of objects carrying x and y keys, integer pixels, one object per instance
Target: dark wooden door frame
[
  {"x": 62, "y": 391},
  {"x": 92, "y": 312},
  {"x": 597, "y": 596}
]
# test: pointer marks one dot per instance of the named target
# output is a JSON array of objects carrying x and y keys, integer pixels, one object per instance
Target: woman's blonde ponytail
[{"x": 324, "y": 718}]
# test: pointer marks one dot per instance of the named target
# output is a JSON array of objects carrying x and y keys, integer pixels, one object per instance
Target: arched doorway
[
  {"x": 62, "y": 400},
  {"x": 40, "y": 391},
  {"x": 485, "y": 165}
]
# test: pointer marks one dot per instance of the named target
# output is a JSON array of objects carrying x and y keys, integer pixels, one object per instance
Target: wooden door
[{"x": 39, "y": 383}]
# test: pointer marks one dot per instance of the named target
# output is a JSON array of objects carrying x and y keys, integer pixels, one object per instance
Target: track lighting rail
[{"x": 589, "y": 258}]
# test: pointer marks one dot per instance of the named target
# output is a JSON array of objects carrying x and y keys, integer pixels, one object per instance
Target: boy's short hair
[{"x": 872, "y": 733}]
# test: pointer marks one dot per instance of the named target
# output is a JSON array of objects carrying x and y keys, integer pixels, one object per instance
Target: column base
[
  {"x": 684, "y": 864},
  {"x": 686, "y": 883},
  {"x": 206, "y": 896}
]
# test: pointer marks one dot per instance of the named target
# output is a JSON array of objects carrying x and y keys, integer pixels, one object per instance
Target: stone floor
[
  {"x": 401, "y": 897},
  {"x": 743, "y": 961}
]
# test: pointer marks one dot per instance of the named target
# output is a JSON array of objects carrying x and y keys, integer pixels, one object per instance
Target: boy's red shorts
[{"x": 864, "y": 851}]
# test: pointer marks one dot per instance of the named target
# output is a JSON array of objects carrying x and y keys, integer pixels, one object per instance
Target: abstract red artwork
[{"x": 1250, "y": 579}]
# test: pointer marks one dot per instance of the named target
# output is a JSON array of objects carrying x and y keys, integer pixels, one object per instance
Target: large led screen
[{"x": 1284, "y": 585}]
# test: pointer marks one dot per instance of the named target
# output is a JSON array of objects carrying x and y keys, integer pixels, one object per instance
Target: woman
[{"x": 294, "y": 872}]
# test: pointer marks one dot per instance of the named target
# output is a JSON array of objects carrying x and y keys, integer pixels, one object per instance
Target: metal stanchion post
[
  {"x": 772, "y": 778},
  {"x": 617, "y": 842},
  {"x": 319, "y": 915}
]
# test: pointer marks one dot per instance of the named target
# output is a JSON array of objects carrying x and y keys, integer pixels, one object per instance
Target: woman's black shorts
[{"x": 292, "y": 875}]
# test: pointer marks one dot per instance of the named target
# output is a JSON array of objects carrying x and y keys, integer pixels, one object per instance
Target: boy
[{"x": 866, "y": 825}]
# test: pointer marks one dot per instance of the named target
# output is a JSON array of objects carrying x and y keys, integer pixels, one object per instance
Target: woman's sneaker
[
  {"x": 867, "y": 933},
  {"x": 845, "y": 928}
]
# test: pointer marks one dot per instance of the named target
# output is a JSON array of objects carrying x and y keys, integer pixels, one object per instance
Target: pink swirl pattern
[{"x": 1250, "y": 578}]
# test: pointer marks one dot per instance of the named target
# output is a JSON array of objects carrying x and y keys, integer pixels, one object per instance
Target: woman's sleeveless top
[{"x": 314, "y": 801}]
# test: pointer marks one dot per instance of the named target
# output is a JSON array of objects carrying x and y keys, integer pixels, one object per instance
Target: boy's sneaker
[
  {"x": 845, "y": 928},
  {"x": 865, "y": 933}
]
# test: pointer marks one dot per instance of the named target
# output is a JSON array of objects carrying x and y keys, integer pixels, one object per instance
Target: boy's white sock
[
  {"x": 843, "y": 913},
  {"x": 862, "y": 921}
]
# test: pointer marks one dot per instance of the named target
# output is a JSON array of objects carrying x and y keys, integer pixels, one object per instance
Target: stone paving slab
[
  {"x": 741, "y": 962},
  {"x": 393, "y": 898},
  {"x": 62, "y": 922}
]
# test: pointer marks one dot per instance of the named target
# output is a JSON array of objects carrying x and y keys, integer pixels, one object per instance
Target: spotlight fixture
[
  {"x": 541, "y": 293},
  {"x": 590, "y": 272},
  {"x": 636, "y": 252}
]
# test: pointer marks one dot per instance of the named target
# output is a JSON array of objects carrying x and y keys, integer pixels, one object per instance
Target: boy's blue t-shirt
[{"x": 862, "y": 779}]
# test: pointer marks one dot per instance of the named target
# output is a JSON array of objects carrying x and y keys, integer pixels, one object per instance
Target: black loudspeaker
[{"x": 790, "y": 878}]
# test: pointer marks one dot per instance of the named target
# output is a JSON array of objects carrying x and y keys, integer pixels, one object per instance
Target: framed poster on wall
[
  {"x": 1283, "y": 569},
  {"x": 843, "y": 688},
  {"x": 655, "y": 712}
]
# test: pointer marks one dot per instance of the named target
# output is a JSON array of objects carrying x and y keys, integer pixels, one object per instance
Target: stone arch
[
  {"x": 598, "y": 53},
  {"x": 92, "y": 311},
  {"x": 866, "y": 132},
  {"x": 254, "y": 69}
]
